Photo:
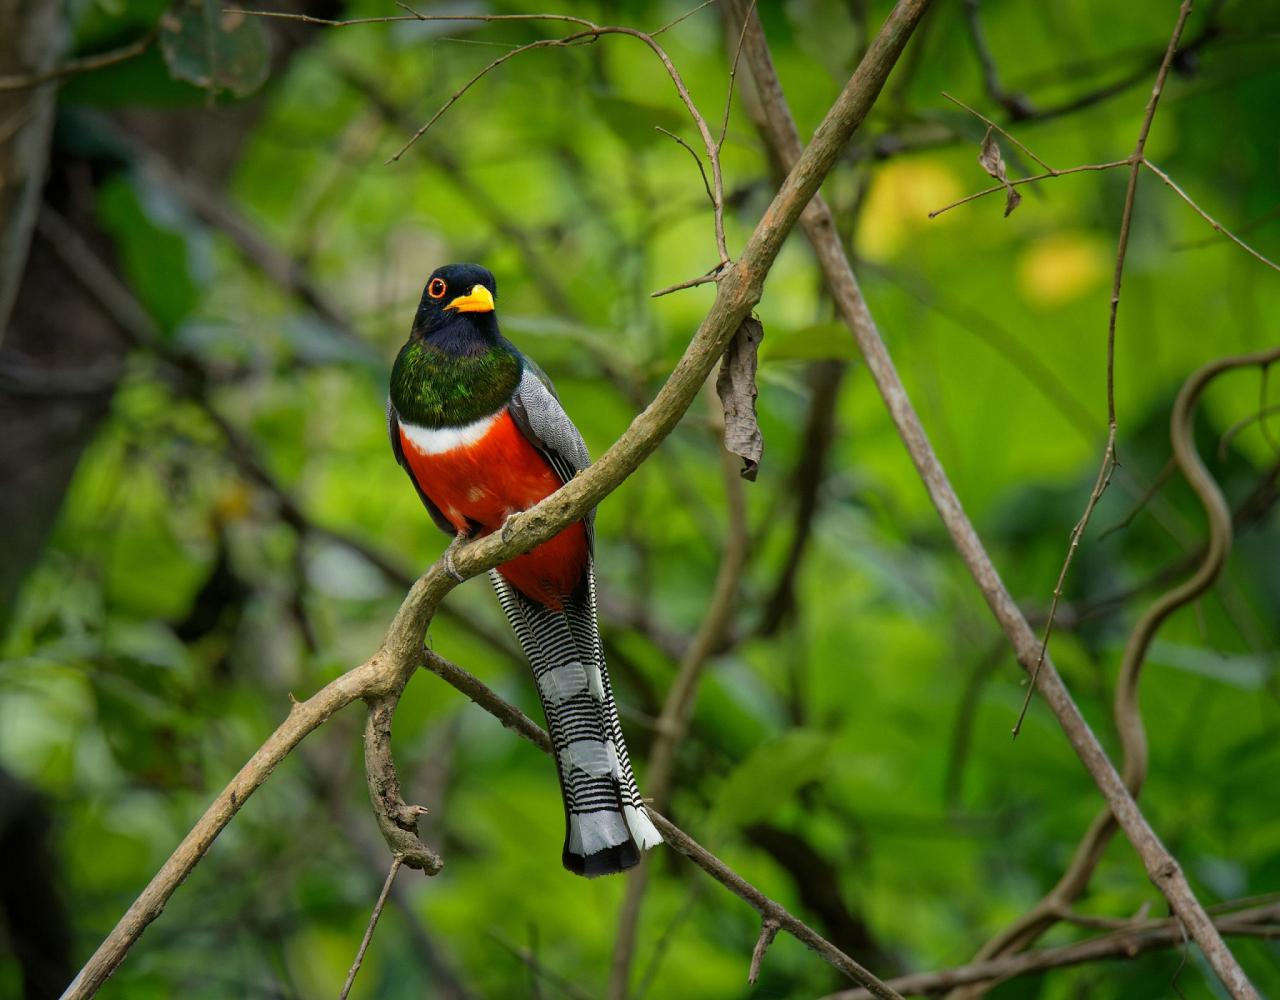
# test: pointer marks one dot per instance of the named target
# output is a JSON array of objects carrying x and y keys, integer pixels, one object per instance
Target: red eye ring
[{"x": 436, "y": 288}]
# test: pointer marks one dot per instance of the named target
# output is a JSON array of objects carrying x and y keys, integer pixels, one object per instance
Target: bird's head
[{"x": 457, "y": 309}]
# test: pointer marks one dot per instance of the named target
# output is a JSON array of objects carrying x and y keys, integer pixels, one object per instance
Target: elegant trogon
[{"x": 481, "y": 433}]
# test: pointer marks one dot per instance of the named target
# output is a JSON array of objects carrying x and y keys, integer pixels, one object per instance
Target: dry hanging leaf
[
  {"x": 736, "y": 387},
  {"x": 993, "y": 163}
]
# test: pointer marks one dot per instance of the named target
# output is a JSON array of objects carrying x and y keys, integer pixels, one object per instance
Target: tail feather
[{"x": 606, "y": 824}]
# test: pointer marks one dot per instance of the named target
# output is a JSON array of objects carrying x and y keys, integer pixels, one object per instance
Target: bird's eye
[{"x": 436, "y": 288}]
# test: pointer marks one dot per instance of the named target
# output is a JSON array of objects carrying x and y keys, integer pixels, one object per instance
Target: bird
[{"x": 482, "y": 434}]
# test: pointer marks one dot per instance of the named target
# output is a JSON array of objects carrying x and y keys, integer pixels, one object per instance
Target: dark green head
[{"x": 456, "y": 314}]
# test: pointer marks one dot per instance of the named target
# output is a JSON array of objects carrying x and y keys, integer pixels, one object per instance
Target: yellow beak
[{"x": 479, "y": 300}]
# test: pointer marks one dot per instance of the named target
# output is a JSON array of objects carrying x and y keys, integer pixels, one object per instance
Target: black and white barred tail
[{"x": 607, "y": 827}]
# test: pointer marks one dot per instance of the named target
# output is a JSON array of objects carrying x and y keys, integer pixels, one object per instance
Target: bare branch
[
  {"x": 397, "y": 820},
  {"x": 696, "y": 159},
  {"x": 1004, "y": 132},
  {"x": 702, "y": 279},
  {"x": 768, "y": 931},
  {"x": 590, "y": 32},
  {"x": 77, "y": 66},
  {"x": 780, "y": 132},
  {"x": 1263, "y": 922},
  {"x": 1088, "y": 854},
  {"x": 733, "y": 76},
  {"x": 396, "y": 861},
  {"x": 1027, "y": 180},
  {"x": 673, "y": 723},
  {"x": 401, "y": 650},
  {"x": 1109, "y": 460},
  {"x": 1208, "y": 218}
]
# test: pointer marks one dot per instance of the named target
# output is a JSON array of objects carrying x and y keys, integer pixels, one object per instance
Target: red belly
[{"x": 482, "y": 483}]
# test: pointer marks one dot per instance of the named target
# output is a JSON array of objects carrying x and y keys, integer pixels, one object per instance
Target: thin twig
[
  {"x": 590, "y": 32},
  {"x": 1217, "y": 226},
  {"x": 1148, "y": 494},
  {"x": 733, "y": 76},
  {"x": 683, "y": 17},
  {"x": 1077, "y": 532},
  {"x": 696, "y": 159},
  {"x": 1257, "y": 417},
  {"x": 373, "y": 923},
  {"x": 1027, "y": 180},
  {"x": 768, "y": 931},
  {"x": 1109, "y": 460},
  {"x": 538, "y": 969},
  {"x": 703, "y": 279},
  {"x": 1004, "y": 132},
  {"x": 77, "y": 66}
]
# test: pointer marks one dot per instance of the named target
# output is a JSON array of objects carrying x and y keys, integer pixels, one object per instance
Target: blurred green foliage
[{"x": 156, "y": 643}]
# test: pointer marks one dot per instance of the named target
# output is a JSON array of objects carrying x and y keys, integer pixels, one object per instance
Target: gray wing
[
  {"x": 537, "y": 412},
  {"x": 393, "y": 432}
]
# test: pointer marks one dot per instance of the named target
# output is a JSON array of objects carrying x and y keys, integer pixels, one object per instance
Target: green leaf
[
  {"x": 154, "y": 251},
  {"x": 214, "y": 49},
  {"x": 770, "y": 776},
  {"x": 820, "y": 342}
]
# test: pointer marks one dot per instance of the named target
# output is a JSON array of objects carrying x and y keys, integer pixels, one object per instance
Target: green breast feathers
[{"x": 434, "y": 388}]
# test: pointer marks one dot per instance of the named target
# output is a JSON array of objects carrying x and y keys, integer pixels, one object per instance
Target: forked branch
[
  {"x": 400, "y": 653},
  {"x": 779, "y": 130}
]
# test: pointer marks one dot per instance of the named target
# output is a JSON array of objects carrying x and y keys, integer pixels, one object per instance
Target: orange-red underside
[{"x": 483, "y": 483}]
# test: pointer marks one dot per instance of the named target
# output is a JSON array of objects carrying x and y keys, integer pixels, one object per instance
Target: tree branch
[
  {"x": 397, "y": 820},
  {"x": 819, "y": 225},
  {"x": 396, "y": 862},
  {"x": 400, "y": 652},
  {"x": 513, "y": 718},
  {"x": 1088, "y": 854},
  {"x": 1263, "y": 921},
  {"x": 75, "y": 67},
  {"x": 590, "y": 32},
  {"x": 673, "y": 722}
]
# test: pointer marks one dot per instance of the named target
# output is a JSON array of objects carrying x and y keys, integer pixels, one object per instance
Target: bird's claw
[
  {"x": 507, "y": 527},
  {"x": 449, "y": 567}
]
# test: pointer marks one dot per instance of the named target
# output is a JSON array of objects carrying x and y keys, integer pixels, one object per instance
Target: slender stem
[
  {"x": 373, "y": 923},
  {"x": 1209, "y": 218},
  {"x": 77, "y": 66},
  {"x": 1027, "y": 180},
  {"x": 1004, "y": 132}
]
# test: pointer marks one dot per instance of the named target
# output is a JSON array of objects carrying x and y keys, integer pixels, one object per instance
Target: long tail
[{"x": 606, "y": 823}]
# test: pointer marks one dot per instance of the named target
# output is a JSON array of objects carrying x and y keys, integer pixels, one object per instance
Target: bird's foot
[
  {"x": 508, "y": 526},
  {"x": 458, "y": 540}
]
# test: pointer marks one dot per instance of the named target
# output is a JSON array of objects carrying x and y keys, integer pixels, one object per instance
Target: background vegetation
[{"x": 231, "y": 527}]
